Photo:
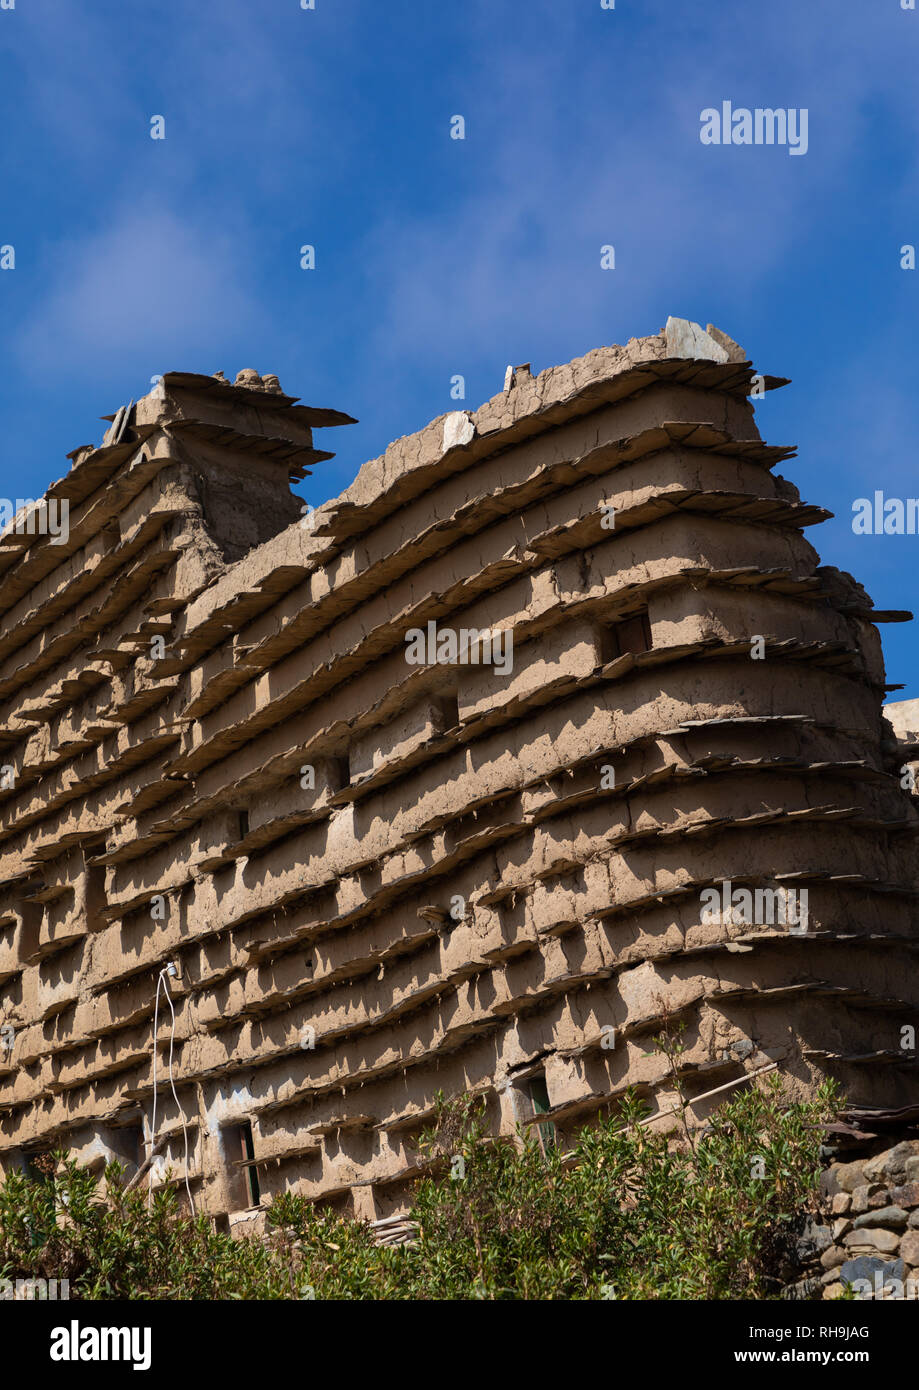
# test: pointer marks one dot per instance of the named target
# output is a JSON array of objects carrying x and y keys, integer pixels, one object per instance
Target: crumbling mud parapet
[{"x": 549, "y": 729}]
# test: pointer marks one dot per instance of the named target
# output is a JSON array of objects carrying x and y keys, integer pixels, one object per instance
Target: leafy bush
[
  {"x": 629, "y": 1214},
  {"x": 113, "y": 1246}
]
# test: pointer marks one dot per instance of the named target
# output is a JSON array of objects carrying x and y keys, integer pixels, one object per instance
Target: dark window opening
[
  {"x": 631, "y": 635},
  {"x": 539, "y": 1100},
  {"x": 243, "y": 824},
  {"x": 32, "y": 915},
  {"x": 39, "y": 1165},
  {"x": 130, "y": 1144},
  {"x": 240, "y": 1152},
  {"x": 95, "y": 896},
  {"x": 446, "y": 712}
]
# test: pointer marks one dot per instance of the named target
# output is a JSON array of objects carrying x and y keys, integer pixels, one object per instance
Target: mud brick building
[{"x": 361, "y": 881}]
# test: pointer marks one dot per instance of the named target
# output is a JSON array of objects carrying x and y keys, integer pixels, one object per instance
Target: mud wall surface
[{"x": 549, "y": 727}]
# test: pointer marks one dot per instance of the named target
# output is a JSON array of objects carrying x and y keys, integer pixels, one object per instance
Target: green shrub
[{"x": 629, "y": 1214}]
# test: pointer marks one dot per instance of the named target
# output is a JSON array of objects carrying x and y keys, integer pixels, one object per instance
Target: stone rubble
[{"x": 879, "y": 1246}]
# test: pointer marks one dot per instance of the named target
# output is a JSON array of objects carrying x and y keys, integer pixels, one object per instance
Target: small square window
[{"x": 631, "y": 635}]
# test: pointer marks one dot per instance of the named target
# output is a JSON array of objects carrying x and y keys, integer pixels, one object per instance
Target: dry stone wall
[
  {"x": 246, "y": 805},
  {"x": 864, "y": 1240}
]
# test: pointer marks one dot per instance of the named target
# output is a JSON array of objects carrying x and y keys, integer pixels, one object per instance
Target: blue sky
[{"x": 438, "y": 257}]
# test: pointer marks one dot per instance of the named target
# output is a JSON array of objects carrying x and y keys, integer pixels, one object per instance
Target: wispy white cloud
[
  {"x": 150, "y": 288},
  {"x": 566, "y": 151}
]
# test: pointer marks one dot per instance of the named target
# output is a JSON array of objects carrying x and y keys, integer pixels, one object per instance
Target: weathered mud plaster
[{"x": 378, "y": 879}]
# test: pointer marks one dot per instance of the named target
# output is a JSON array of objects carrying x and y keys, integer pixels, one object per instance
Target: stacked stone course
[{"x": 866, "y": 1236}]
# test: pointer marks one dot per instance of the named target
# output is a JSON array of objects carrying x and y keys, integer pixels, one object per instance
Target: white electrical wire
[{"x": 162, "y": 979}]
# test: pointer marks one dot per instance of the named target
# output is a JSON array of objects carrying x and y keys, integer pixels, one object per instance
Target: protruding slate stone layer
[{"x": 380, "y": 880}]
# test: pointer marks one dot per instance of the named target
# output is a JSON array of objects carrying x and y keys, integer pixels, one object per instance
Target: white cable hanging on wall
[{"x": 162, "y": 980}]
